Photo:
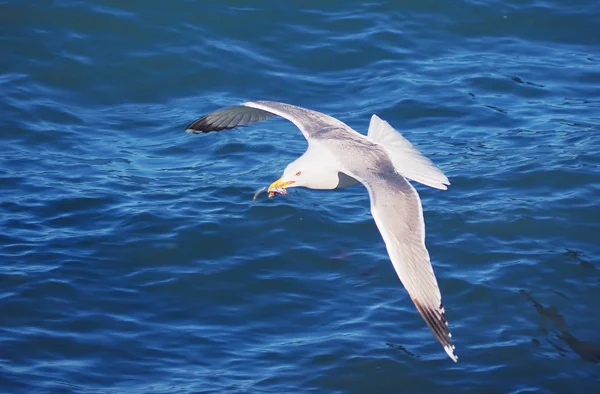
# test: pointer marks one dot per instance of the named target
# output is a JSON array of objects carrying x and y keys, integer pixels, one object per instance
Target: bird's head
[
  {"x": 293, "y": 176},
  {"x": 306, "y": 171}
]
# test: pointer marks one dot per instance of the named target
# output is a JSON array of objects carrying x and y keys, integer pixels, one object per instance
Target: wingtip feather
[{"x": 450, "y": 351}]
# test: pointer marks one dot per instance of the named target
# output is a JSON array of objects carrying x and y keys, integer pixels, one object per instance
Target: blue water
[{"x": 132, "y": 258}]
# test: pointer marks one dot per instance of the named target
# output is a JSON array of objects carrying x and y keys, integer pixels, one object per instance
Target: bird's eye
[{"x": 298, "y": 173}]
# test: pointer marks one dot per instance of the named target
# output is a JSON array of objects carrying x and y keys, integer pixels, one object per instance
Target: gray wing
[
  {"x": 309, "y": 122},
  {"x": 396, "y": 208}
]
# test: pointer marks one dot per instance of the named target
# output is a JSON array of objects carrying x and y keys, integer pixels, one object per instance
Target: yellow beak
[{"x": 278, "y": 184}]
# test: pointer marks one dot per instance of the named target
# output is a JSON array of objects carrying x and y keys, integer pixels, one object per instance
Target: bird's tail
[{"x": 407, "y": 159}]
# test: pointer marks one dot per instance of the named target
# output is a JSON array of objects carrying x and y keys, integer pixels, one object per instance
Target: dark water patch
[{"x": 550, "y": 320}]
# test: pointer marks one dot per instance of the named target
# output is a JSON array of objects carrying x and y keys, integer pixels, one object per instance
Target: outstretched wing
[
  {"x": 309, "y": 122},
  {"x": 396, "y": 208}
]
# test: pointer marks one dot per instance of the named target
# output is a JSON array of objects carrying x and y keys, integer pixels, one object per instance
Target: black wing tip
[
  {"x": 436, "y": 320},
  {"x": 202, "y": 125},
  {"x": 228, "y": 118}
]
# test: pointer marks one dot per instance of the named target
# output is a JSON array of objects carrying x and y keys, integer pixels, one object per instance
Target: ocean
[{"x": 133, "y": 259}]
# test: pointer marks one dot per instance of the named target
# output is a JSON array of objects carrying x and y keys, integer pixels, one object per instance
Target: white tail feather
[{"x": 407, "y": 159}]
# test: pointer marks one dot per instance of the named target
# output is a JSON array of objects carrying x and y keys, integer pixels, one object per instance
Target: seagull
[{"x": 338, "y": 156}]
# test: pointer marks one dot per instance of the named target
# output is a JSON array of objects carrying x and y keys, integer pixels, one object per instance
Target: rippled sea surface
[{"x": 133, "y": 259}]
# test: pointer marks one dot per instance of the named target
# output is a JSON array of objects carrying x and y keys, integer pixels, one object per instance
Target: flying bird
[{"x": 338, "y": 156}]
